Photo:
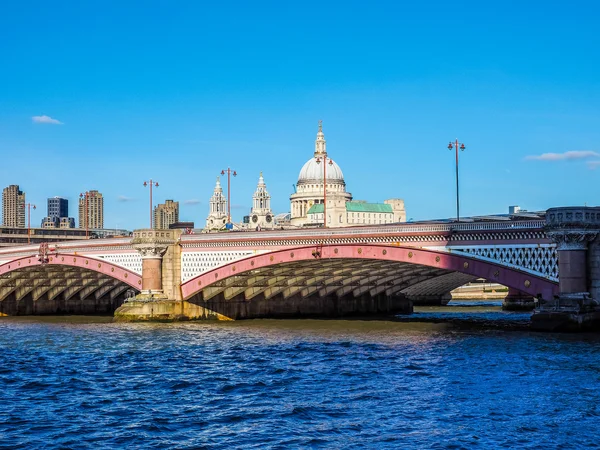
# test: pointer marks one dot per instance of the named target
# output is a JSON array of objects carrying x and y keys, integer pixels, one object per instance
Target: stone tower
[
  {"x": 217, "y": 216},
  {"x": 261, "y": 214}
]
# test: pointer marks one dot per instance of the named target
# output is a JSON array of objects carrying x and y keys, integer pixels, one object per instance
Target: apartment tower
[
  {"x": 166, "y": 214},
  {"x": 91, "y": 210},
  {"x": 13, "y": 207}
]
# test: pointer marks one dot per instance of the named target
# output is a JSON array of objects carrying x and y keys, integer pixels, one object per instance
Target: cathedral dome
[{"x": 312, "y": 172}]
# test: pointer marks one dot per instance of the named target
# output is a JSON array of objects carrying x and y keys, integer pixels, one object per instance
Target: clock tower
[
  {"x": 217, "y": 217},
  {"x": 261, "y": 214}
]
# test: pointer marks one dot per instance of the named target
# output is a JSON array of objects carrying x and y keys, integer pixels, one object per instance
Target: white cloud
[
  {"x": 46, "y": 119},
  {"x": 593, "y": 164},
  {"x": 193, "y": 201},
  {"x": 570, "y": 155},
  {"x": 123, "y": 198}
]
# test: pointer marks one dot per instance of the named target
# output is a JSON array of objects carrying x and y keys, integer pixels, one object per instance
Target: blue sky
[{"x": 178, "y": 91}]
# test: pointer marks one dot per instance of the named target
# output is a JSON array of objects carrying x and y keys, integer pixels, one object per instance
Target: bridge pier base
[
  {"x": 516, "y": 300},
  {"x": 160, "y": 298},
  {"x": 164, "y": 310},
  {"x": 575, "y": 231}
]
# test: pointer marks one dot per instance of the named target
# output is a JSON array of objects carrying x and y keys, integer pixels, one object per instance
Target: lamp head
[
  {"x": 450, "y": 146},
  {"x": 462, "y": 147},
  {"x": 145, "y": 184}
]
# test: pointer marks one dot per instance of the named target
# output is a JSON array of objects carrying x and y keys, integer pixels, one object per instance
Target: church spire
[
  {"x": 218, "y": 202},
  {"x": 320, "y": 143},
  {"x": 261, "y": 200}
]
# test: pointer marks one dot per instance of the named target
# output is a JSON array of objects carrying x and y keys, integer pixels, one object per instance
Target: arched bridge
[
  {"x": 50, "y": 283},
  {"x": 356, "y": 269},
  {"x": 249, "y": 274}
]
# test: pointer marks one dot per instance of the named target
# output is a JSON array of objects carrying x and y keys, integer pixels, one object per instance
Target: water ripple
[{"x": 294, "y": 384}]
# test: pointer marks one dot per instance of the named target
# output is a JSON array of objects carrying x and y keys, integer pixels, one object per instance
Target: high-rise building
[
  {"x": 166, "y": 214},
  {"x": 13, "y": 207},
  {"x": 91, "y": 210}
]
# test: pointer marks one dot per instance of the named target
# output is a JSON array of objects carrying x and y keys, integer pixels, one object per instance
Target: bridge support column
[
  {"x": 160, "y": 298},
  {"x": 575, "y": 231}
]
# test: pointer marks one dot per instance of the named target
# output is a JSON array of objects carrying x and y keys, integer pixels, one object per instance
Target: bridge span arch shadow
[
  {"x": 350, "y": 274},
  {"x": 64, "y": 284}
]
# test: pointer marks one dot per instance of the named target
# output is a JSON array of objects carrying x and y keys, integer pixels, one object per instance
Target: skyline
[{"x": 107, "y": 98}]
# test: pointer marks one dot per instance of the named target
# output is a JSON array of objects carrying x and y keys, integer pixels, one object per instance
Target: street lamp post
[
  {"x": 229, "y": 173},
  {"x": 86, "y": 213},
  {"x": 324, "y": 158},
  {"x": 155, "y": 184},
  {"x": 29, "y": 206},
  {"x": 462, "y": 147}
]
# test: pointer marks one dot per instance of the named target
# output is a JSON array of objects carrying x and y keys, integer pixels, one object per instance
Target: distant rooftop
[
  {"x": 358, "y": 206},
  {"x": 525, "y": 215}
]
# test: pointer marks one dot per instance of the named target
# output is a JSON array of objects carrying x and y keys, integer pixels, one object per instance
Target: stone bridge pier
[
  {"x": 160, "y": 297},
  {"x": 575, "y": 231}
]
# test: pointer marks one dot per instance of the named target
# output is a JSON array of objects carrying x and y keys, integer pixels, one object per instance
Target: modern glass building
[
  {"x": 58, "y": 214},
  {"x": 58, "y": 207}
]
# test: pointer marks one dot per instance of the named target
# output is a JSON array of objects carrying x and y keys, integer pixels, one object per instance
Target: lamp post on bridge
[
  {"x": 324, "y": 159},
  {"x": 229, "y": 173},
  {"x": 155, "y": 184},
  {"x": 86, "y": 213},
  {"x": 462, "y": 147},
  {"x": 29, "y": 206}
]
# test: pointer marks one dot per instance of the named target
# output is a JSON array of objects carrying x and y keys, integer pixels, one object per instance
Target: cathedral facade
[
  {"x": 307, "y": 204},
  {"x": 320, "y": 199}
]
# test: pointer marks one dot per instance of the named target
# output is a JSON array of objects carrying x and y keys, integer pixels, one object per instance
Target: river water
[{"x": 463, "y": 377}]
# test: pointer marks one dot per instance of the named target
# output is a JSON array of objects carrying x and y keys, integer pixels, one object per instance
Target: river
[{"x": 458, "y": 377}]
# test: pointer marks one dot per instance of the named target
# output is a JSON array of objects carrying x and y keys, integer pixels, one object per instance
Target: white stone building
[
  {"x": 217, "y": 216},
  {"x": 261, "y": 216},
  {"x": 307, "y": 202},
  {"x": 309, "y": 188}
]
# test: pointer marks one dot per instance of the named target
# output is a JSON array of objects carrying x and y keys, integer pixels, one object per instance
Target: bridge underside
[
  {"x": 58, "y": 289},
  {"x": 328, "y": 287}
]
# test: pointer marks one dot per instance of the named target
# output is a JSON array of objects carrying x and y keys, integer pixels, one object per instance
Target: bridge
[{"x": 323, "y": 272}]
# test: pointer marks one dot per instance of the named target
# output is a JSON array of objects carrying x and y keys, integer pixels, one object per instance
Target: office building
[{"x": 58, "y": 214}]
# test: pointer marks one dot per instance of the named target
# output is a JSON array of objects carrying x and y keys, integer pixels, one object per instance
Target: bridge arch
[
  {"x": 47, "y": 283},
  {"x": 358, "y": 269}
]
